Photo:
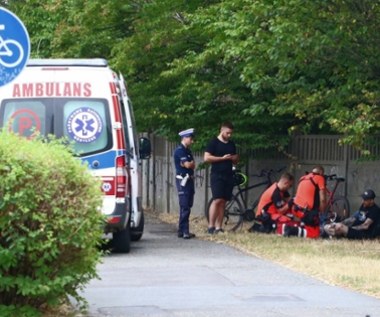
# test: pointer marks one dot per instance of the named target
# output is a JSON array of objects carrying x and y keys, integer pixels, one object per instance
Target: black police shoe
[{"x": 188, "y": 236}]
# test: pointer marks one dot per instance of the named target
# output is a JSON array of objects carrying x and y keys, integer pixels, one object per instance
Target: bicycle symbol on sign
[{"x": 11, "y": 51}]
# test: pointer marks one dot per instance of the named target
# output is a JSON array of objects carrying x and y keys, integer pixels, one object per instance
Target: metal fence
[{"x": 159, "y": 192}]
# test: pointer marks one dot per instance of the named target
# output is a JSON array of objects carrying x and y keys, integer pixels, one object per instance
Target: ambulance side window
[
  {"x": 25, "y": 117},
  {"x": 87, "y": 124}
]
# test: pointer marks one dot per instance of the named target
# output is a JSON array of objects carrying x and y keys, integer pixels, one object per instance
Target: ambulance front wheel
[{"x": 121, "y": 241}]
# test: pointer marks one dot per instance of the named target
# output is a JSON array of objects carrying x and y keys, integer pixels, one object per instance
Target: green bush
[{"x": 50, "y": 225}]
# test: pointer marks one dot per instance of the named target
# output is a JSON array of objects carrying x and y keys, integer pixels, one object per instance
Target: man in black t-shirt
[
  {"x": 221, "y": 153},
  {"x": 364, "y": 224}
]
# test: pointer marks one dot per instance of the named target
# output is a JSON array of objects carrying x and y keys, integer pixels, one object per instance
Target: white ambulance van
[{"x": 86, "y": 102}]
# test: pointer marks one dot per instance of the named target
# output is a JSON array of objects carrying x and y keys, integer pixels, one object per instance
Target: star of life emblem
[{"x": 84, "y": 125}]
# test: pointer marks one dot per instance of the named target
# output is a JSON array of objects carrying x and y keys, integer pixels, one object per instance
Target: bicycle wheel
[
  {"x": 15, "y": 56},
  {"x": 340, "y": 207},
  {"x": 249, "y": 214},
  {"x": 233, "y": 212}
]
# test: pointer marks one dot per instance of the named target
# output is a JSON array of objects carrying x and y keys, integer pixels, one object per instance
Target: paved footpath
[{"x": 164, "y": 276}]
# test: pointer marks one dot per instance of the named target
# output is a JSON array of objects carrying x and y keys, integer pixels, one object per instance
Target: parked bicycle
[
  {"x": 338, "y": 207},
  {"x": 238, "y": 209}
]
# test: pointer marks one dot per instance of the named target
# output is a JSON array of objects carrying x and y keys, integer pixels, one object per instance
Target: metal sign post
[{"x": 14, "y": 46}]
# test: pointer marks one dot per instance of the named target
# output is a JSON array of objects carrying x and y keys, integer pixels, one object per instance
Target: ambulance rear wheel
[
  {"x": 121, "y": 241},
  {"x": 136, "y": 233}
]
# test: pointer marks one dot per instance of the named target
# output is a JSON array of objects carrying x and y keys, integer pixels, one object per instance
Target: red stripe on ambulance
[
  {"x": 122, "y": 188},
  {"x": 116, "y": 107}
]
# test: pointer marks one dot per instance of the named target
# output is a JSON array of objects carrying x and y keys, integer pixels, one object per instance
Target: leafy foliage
[
  {"x": 275, "y": 68},
  {"x": 50, "y": 225}
]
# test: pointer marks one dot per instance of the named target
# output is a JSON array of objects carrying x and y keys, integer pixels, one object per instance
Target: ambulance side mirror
[{"x": 145, "y": 148}]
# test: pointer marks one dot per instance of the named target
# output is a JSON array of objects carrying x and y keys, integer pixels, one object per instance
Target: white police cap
[{"x": 186, "y": 133}]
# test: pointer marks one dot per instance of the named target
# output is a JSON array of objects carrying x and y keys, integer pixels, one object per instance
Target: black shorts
[
  {"x": 358, "y": 234},
  {"x": 222, "y": 185}
]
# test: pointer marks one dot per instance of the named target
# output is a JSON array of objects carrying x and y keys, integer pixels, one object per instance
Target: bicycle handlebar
[
  {"x": 268, "y": 172},
  {"x": 333, "y": 177}
]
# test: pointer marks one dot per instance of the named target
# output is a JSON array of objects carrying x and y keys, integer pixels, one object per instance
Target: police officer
[{"x": 184, "y": 166}]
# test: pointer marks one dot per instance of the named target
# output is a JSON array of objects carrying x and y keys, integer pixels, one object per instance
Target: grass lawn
[{"x": 350, "y": 264}]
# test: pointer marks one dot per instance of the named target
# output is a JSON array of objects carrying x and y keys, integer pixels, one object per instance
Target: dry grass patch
[{"x": 350, "y": 264}]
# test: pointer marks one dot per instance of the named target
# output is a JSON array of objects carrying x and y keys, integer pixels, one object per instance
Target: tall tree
[
  {"x": 40, "y": 20},
  {"x": 179, "y": 77},
  {"x": 273, "y": 67}
]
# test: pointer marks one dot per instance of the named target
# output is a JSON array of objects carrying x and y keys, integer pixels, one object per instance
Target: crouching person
[
  {"x": 309, "y": 201},
  {"x": 363, "y": 224},
  {"x": 273, "y": 208}
]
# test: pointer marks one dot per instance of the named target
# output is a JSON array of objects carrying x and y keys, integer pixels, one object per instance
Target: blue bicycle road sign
[{"x": 14, "y": 46}]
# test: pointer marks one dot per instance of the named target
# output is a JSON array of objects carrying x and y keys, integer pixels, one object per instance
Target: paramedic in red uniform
[
  {"x": 273, "y": 209},
  {"x": 309, "y": 201}
]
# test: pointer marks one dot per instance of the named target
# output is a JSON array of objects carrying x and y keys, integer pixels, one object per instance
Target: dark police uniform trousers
[{"x": 186, "y": 200}]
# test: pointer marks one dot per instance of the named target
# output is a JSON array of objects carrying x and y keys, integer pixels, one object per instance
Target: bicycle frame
[
  {"x": 267, "y": 182},
  {"x": 3, "y": 44},
  {"x": 236, "y": 207},
  {"x": 5, "y": 50},
  {"x": 331, "y": 193},
  {"x": 337, "y": 206},
  {"x": 242, "y": 190}
]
